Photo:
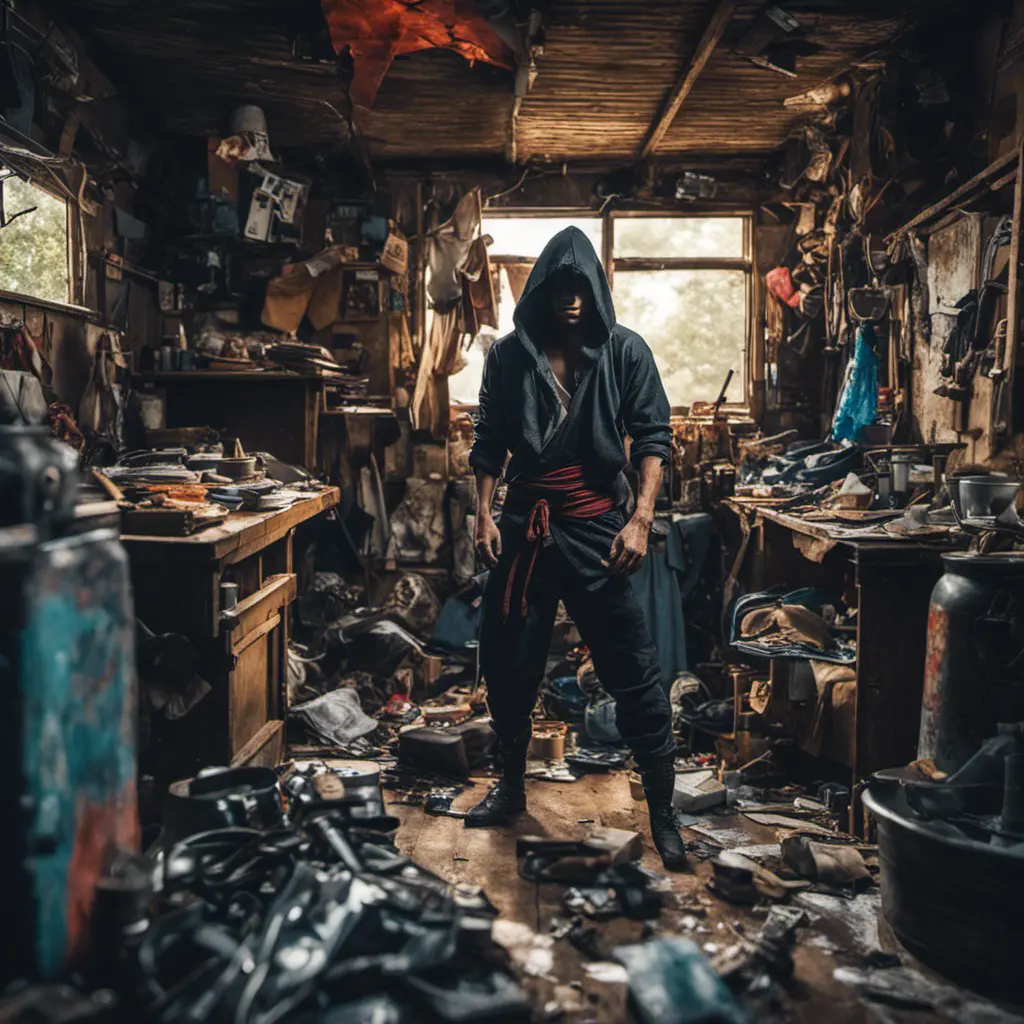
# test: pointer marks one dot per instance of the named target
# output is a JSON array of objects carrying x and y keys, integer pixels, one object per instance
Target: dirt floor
[{"x": 841, "y": 933}]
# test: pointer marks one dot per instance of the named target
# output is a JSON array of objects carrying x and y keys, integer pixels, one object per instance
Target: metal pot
[
  {"x": 985, "y": 497},
  {"x": 237, "y": 469},
  {"x": 901, "y": 464}
]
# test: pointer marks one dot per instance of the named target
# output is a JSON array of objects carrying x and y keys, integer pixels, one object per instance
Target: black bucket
[{"x": 957, "y": 904}]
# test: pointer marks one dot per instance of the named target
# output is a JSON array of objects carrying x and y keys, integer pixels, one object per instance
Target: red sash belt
[{"x": 562, "y": 493}]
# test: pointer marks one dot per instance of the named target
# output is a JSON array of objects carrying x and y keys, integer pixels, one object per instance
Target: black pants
[{"x": 513, "y": 652}]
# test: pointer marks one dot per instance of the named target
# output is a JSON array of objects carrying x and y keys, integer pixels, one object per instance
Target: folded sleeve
[
  {"x": 490, "y": 444},
  {"x": 645, "y": 408}
]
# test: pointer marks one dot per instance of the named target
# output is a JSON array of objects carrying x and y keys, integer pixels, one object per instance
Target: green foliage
[
  {"x": 34, "y": 248},
  {"x": 678, "y": 237},
  {"x": 696, "y": 324}
]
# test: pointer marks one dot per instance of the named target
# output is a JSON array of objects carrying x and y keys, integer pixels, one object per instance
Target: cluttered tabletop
[
  {"x": 917, "y": 494},
  {"x": 206, "y": 499},
  {"x": 240, "y": 527}
]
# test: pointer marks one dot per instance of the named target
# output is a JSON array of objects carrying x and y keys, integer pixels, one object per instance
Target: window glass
[
  {"x": 34, "y": 247},
  {"x": 678, "y": 237},
  {"x": 695, "y": 322},
  {"x": 526, "y": 236}
]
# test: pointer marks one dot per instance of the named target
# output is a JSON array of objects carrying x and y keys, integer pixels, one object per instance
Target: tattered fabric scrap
[{"x": 377, "y": 31}]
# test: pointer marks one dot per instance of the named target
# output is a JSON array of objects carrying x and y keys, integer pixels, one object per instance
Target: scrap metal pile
[{"x": 306, "y": 915}]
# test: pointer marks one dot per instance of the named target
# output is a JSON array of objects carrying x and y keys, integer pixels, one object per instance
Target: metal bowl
[{"x": 986, "y": 497}]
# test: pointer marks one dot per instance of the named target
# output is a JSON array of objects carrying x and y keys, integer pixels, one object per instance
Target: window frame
[
  {"x": 632, "y": 264},
  {"x": 744, "y": 263},
  {"x": 73, "y": 247}
]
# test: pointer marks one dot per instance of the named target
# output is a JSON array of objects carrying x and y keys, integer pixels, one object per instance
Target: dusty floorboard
[{"x": 486, "y": 857}]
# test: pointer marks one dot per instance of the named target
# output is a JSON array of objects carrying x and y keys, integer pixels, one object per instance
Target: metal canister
[
  {"x": 974, "y": 661},
  {"x": 228, "y": 596},
  {"x": 901, "y": 463}
]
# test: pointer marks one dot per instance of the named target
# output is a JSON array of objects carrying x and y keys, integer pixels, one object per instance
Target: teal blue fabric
[{"x": 858, "y": 403}]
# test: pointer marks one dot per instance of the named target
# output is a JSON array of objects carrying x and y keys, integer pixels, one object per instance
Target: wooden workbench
[
  {"x": 243, "y": 653},
  {"x": 892, "y": 579}
]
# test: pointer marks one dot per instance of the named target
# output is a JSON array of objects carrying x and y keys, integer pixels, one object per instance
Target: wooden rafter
[{"x": 709, "y": 41}]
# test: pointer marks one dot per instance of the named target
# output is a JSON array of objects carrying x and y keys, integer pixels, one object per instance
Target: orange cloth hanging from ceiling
[{"x": 377, "y": 31}]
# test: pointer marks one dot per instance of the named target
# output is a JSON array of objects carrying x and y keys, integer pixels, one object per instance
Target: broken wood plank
[
  {"x": 277, "y": 592},
  {"x": 979, "y": 181},
  {"x": 709, "y": 41},
  {"x": 264, "y": 750},
  {"x": 260, "y": 631},
  {"x": 620, "y": 844}
]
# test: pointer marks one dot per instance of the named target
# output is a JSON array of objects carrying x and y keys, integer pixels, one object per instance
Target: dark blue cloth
[
  {"x": 657, "y": 590},
  {"x": 665, "y": 583},
  {"x": 618, "y": 392},
  {"x": 689, "y": 541},
  {"x": 458, "y": 625}
]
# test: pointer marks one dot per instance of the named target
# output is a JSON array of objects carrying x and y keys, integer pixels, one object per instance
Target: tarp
[{"x": 377, "y": 31}]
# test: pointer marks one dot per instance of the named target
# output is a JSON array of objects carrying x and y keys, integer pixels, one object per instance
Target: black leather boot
[
  {"x": 659, "y": 779},
  {"x": 508, "y": 797}
]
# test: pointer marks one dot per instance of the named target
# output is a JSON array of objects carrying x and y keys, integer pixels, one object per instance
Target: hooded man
[{"x": 561, "y": 394}]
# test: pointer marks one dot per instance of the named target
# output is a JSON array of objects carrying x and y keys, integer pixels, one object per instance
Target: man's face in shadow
[{"x": 570, "y": 298}]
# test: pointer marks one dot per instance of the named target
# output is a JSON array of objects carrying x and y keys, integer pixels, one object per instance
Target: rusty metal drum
[{"x": 974, "y": 662}]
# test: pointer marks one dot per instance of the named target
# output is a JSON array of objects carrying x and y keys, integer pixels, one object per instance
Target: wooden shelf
[
  {"x": 251, "y": 376},
  {"x": 360, "y": 410},
  {"x": 996, "y": 176}
]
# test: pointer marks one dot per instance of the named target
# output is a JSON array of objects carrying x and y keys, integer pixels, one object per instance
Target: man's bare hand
[
  {"x": 629, "y": 548},
  {"x": 488, "y": 540}
]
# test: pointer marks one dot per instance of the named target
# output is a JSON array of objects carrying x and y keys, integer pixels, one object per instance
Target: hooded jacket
[{"x": 618, "y": 392}]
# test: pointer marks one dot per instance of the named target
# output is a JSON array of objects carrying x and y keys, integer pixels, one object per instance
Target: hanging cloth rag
[
  {"x": 440, "y": 357},
  {"x": 857, "y": 407},
  {"x": 101, "y": 410},
  {"x": 448, "y": 252},
  {"x": 780, "y": 284},
  {"x": 479, "y": 303},
  {"x": 518, "y": 274},
  {"x": 657, "y": 590}
]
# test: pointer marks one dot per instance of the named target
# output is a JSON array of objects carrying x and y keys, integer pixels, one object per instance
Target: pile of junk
[
  {"x": 268, "y": 897},
  {"x": 398, "y": 681}
]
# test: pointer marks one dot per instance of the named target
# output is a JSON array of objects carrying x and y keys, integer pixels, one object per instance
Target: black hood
[{"x": 533, "y": 316}]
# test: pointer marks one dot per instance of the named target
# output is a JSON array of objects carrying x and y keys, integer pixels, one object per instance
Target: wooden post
[
  {"x": 1013, "y": 304},
  {"x": 421, "y": 290}
]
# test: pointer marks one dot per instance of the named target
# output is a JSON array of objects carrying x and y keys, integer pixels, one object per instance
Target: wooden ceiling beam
[{"x": 709, "y": 41}]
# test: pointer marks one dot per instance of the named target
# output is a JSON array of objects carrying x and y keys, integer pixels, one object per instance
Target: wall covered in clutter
[{"x": 891, "y": 240}]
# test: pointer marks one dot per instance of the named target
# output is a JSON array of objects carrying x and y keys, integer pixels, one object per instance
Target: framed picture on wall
[{"x": 360, "y": 295}]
